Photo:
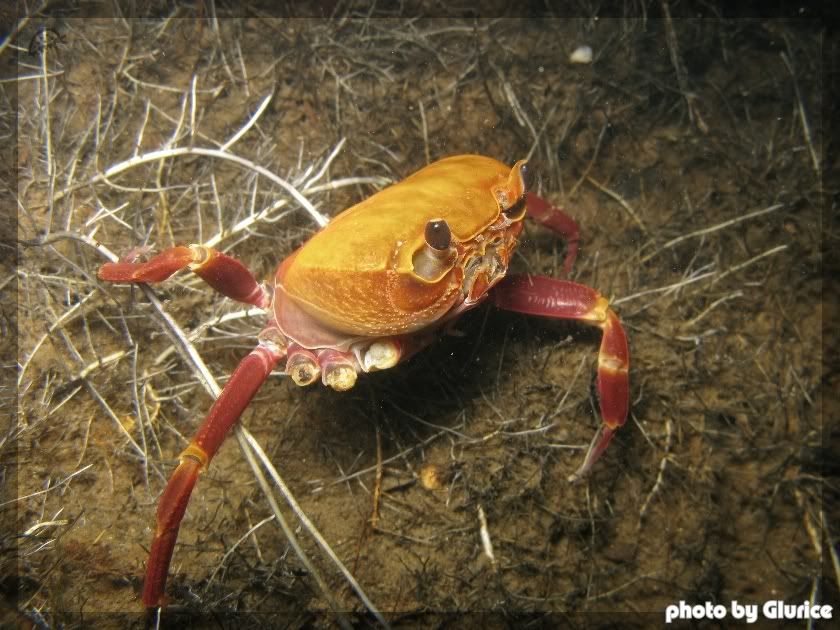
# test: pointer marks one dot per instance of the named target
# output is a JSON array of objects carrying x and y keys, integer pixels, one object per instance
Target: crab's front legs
[
  {"x": 225, "y": 274},
  {"x": 560, "y": 223},
  {"x": 240, "y": 389},
  {"x": 561, "y": 299}
]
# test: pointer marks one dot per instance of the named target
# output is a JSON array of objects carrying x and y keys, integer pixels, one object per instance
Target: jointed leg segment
[
  {"x": 562, "y": 299},
  {"x": 231, "y": 278},
  {"x": 237, "y": 394},
  {"x": 560, "y": 223},
  {"x": 222, "y": 272}
]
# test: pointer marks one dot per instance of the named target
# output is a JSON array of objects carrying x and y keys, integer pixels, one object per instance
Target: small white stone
[{"x": 582, "y": 54}]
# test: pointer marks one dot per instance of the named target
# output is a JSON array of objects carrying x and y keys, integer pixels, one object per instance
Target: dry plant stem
[
  {"x": 45, "y": 490},
  {"x": 139, "y": 412},
  {"x": 31, "y": 77},
  {"x": 621, "y": 587},
  {"x": 709, "y": 274},
  {"x": 806, "y": 130},
  {"x": 731, "y": 296},
  {"x": 813, "y": 599},
  {"x": 484, "y": 534},
  {"x": 540, "y": 134},
  {"x": 832, "y": 547},
  {"x": 47, "y": 133},
  {"x": 254, "y": 540},
  {"x": 620, "y": 200},
  {"x": 153, "y": 156},
  {"x": 679, "y": 69},
  {"x": 591, "y": 161},
  {"x": 21, "y": 24},
  {"x": 713, "y": 228},
  {"x": 249, "y": 123},
  {"x": 66, "y": 317},
  {"x": 518, "y": 112},
  {"x": 425, "y": 132},
  {"x": 818, "y": 532},
  {"x": 309, "y": 525},
  {"x": 657, "y": 486},
  {"x": 325, "y": 166},
  {"x": 233, "y": 547},
  {"x": 252, "y": 450},
  {"x": 770, "y": 252},
  {"x": 377, "y": 487},
  {"x": 666, "y": 288}
]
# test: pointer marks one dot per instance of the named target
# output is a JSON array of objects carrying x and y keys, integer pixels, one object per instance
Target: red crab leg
[
  {"x": 562, "y": 299},
  {"x": 240, "y": 389},
  {"x": 225, "y": 274},
  {"x": 555, "y": 219}
]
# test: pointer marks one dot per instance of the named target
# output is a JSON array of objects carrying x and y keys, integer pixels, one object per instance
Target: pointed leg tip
[
  {"x": 602, "y": 438},
  {"x": 582, "y": 473}
]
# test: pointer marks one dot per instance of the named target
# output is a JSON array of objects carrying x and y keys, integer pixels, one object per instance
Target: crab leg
[
  {"x": 562, "y": 299},
  {"x": 559, "y": 222},
  {"x": 251, "y": 372},
  {"x": 225, "y": 274}
]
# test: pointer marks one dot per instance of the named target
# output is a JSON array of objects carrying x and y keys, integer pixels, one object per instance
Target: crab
[{"x": 379, "y": 283}]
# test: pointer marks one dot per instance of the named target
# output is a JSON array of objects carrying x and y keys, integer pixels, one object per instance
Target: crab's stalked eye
[
  {"x": 526, "y": 175},
  {"x": 437, "y": 255},
  {"x": 517, "y": 210},
  {"x": 438, "y": 235}
]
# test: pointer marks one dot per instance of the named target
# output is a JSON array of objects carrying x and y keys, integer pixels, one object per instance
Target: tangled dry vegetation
[{"x": 689, "y": 152}]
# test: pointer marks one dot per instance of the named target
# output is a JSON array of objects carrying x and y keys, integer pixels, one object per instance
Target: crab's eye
[
  {"x": 517, "y": 210},
  {"x": 438, "y": 235},
  {"x": 437, "y": 256},
  {"x": 525, "y": 174}
]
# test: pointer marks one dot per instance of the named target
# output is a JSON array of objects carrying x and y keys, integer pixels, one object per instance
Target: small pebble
[
  {"x": 430, "y": 477},
  {"x": 582, "y": 54}
]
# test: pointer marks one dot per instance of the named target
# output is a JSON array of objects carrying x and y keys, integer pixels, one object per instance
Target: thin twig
[
  {"x": 425, "y": 131},
  {"x": 713, "y": 228},
  {"x": 657, "y": 486},
  {"x": 377, "y": 486},
  {"x": 233, "y": 547},
  {"x": 803, "y": 119},
  {"x": 308, "y": 524},
  {"x": 591, "y": 160},
  {"x": 160, "y": 154},
  {"x": 770, "y": 252},
  {"x": 484, "y": 534},
  {"x": 50, "y": 489},
  {"x": 250, "y": 122},
  {"x": 620, "y": 200}
]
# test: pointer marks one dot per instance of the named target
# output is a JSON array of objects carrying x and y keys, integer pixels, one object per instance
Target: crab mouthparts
[{"x": 482, "y": 271}]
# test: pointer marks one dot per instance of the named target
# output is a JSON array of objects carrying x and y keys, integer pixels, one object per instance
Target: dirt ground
[{"x": 691, "y": 154}]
